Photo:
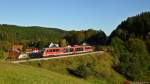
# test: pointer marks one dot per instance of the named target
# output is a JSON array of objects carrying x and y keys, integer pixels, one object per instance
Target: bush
[
  {"x": 2, "y": 54},
  {"x": 119, "y": 49},
  {"x": 83, "y": 70}
]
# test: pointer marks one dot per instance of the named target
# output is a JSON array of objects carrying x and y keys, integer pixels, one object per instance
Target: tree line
[{"x": 41, "y": 37}]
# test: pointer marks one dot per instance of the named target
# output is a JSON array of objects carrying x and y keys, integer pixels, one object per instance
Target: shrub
[
  {"x": 2, "y": 54},
  {"x": 84, "y": 70}
]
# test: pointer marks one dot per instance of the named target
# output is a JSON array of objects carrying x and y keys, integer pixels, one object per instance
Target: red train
[{"x": 66, "y": 50}]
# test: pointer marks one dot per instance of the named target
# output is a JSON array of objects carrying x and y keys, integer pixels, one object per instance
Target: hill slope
[
  {"x": 18, "y": 34},
  {"x": 22, "y": 74},
  {"x": 103, "y": 66}
]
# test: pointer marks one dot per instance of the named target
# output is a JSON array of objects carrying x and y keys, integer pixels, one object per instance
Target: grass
[
  {"x": 106, "y": 74},
  {"x": 23, "y": 74}
]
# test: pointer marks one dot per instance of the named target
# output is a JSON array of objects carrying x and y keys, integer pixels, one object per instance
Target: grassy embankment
[
  {"x": 106, "y": 74},
  {"x": 23, "y": 74}
]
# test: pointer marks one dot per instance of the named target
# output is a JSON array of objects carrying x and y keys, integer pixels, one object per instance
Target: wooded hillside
[{"x": 131, "y": 47}]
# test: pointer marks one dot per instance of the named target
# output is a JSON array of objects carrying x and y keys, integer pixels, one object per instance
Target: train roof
[{"x": 69, "y": 47}]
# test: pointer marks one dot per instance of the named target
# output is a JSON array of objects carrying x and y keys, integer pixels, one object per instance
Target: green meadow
[
  {"x": 23, "y": 74},
  {"x": 105, "y": 74}
]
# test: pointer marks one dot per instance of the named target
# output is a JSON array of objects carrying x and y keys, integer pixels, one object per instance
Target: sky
[{"x": 71, "y": 14}]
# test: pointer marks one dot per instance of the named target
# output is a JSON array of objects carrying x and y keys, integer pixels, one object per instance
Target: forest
[
  {"x": 129, "y": 43},
  {"x": 131, "y": 47}
]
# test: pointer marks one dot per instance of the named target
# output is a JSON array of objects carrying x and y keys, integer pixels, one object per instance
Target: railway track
[{"x": 58, "y": 57}]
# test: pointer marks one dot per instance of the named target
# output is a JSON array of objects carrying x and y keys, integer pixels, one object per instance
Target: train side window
[
  {"x": 71, "y": 49},
  {"x": 57, "y": 50},
  {"x": 79, "y": 49},
  {"x": 87, "y": 48},
  {"x": 67, "y": 50}
]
